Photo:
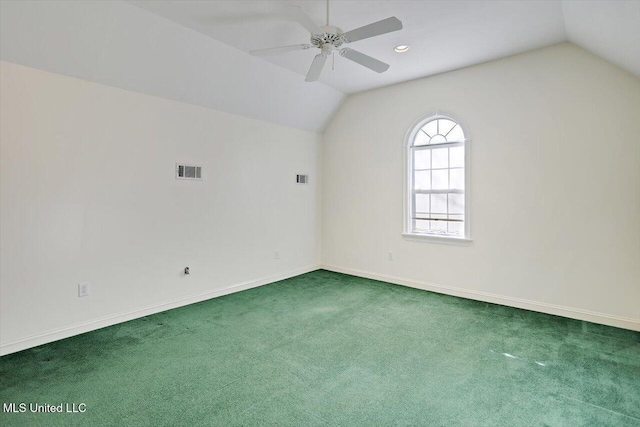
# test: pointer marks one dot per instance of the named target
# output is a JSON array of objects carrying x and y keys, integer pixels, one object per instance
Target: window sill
[{"x": 442, "y": 240}]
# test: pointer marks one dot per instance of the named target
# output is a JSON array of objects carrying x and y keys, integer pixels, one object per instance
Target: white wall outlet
[
  {"x": 83, "y": 289},
  {"x": 277, "y": 255},
  {"x": 390, "y": 257}
]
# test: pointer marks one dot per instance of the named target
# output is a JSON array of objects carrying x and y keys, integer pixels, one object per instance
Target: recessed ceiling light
[{"x": 401, "y": 48}]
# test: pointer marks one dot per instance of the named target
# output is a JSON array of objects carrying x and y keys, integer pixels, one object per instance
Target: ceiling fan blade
[
  {"x": 364, "y": 60},
  {"x": 280, "y": 49},
  {"x": 381, "y": 27},
  {"x": 316, "y": 67},
  {"x": 296, "y": 13}
]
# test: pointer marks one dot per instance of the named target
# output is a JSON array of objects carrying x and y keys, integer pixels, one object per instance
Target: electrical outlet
[
  {"x": 83, "y": 289},
  {"x": 277, "y": 255},
  {"x": 390, "y": 258}
]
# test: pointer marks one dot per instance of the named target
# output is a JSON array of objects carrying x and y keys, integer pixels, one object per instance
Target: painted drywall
[
  {"x": 609, "y": 29},
  {"x": 444, "y": 32},
  {"x": 89, "y": 194},
  {"x": 555, "y": 172},
  {"x": 119, "y": 44}
]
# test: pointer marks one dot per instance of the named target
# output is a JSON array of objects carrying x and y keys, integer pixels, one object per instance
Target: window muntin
[{"x": 437, "y": 179}]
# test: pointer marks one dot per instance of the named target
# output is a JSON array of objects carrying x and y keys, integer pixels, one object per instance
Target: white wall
[
  {"x": 555, "y": 205},
  {"x": 89, "y": 194}
]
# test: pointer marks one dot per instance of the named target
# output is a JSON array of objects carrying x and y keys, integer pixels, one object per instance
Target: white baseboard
[
  {"x": 573, "y": 313},
  {"x": 66, "y": 332}
]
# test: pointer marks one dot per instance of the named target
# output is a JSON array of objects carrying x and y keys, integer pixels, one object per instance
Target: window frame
[{"x": 408, "y": 188}]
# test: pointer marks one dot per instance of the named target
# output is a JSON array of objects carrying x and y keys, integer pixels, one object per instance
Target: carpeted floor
[{"x": 330, "y": 349}]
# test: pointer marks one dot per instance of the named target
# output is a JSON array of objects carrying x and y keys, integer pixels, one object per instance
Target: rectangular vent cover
[
  {"x": 192, "y": 172},
  {"x": 302, "y": 179}
]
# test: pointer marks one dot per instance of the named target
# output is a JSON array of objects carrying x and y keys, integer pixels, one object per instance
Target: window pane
[
  {"x": 456, "y": 157},
  {"x": 456, "y": 134},
  {"x": 438, "y": 139},
  {"x": 431, "y": 128},
  {"x": 420, "y": 225},
  {"x": 439, "y": 203},
  {"x": 456, "y": 203},
  {"x": 438, "y": 169},
  {"x": 422, "y": 180},
  {"x": 456, "y": 179},
  {"x": 439, "y": 226},
  {"x": 421, "y": 138},
  {"x": 440, "y": 179},
  {"x": 444, "y": 126},
  {"x": 440, "y": 158},
  {"x": 455, "y": 228},
  {"x": 422, "y": 159},
  {"x": 422, "y": 203}
]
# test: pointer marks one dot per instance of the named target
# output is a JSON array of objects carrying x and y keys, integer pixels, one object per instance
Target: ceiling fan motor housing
[
  {"x": 329, "y": 39},
  {"x": 331, "y": 36}
]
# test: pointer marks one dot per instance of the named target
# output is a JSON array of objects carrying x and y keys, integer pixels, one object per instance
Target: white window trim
[{"x": 408, "y": 233}]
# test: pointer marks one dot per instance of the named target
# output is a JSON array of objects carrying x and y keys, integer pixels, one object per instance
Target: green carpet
[{"x": 330, "y": 349}]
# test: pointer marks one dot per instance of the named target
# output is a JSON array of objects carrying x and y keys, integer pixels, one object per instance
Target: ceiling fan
[{"x": 329, "y": 39}]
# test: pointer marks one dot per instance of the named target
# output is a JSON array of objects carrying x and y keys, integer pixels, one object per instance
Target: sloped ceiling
[
  {"x": 196, "y": 51},
  {"x": 609, "y": 29},
  {"x": 443, "y": 35},
  {"x": 121, "y": 45}
]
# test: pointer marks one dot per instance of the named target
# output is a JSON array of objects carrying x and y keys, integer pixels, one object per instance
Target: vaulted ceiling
[
  {"x": 442, "y": 35},
  {"x": 197, "y": 51},
  {"x": 609, "y": 29}
]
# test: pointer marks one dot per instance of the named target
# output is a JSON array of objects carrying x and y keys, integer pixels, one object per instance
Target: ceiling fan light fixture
[
  {"x": 401, "y": 48},
  {"x": 330, "y": 39}
]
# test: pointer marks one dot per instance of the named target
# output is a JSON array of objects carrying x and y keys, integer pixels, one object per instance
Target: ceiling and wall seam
[
  {"x": 607, "y": 29},
  {"x": 118, "y": 44},
  {"x": 126, "y": 45}
]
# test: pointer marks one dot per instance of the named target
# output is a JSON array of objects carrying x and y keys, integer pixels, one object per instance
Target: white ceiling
[
  {"x": 117, "y": 44},
  {"x": 609, "y": 29},
  {"x": 443, "y": 35},
  {"x": 195, "y": 51}
]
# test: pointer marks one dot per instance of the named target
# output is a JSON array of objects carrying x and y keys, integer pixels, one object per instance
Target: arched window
[{"x": 437, "y": 179}]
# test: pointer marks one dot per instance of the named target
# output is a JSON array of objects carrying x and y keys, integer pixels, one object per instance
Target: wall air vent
[
  {"x": 191, "y": 172},
  {"x": 302, "y": 179}
]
